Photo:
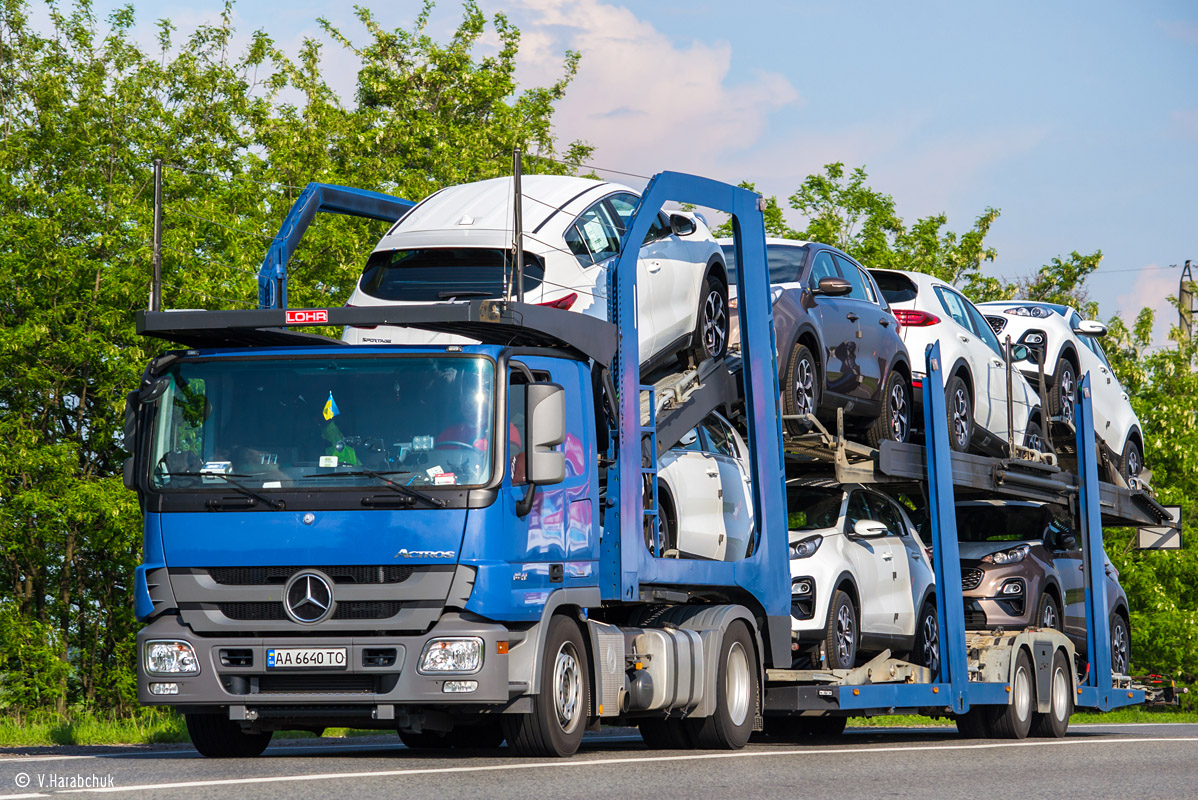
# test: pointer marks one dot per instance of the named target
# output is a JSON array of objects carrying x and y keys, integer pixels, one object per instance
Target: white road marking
[
  {"x": 189, "y": 753},
  {"x": 580, "y": 763}
]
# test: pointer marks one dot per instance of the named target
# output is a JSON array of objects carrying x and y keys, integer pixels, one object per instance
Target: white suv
[{"x": 861, "y": 581}]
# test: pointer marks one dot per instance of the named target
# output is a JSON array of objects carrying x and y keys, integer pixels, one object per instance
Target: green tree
[{"x": 1063, "y": 281}]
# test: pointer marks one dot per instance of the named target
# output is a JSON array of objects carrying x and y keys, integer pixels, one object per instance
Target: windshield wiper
[
  {"x": 227, "y": 477},
  {"x": 454, "y": 294},
  {"x": 398, "y": 488}
]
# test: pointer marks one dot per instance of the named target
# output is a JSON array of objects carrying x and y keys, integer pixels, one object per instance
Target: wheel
[
  {"x": 558, "y": 718},
  {"x": 800, "y": 394},
  {"x": 216, "y": 736},
  {"x": 1062, "y": 398},
  {"x": 927, "y": 639},
  {"x": 1120, "y": 645},
  {"x": 1053, "y": 724},
  {"x": 736, "y": 694},
  {"x": 1132, "y": 461},
  {"x": 1048, "y": 613},
  {"x": 840, "y": 636},
  {"x": 894, "y": 420},
  {"x": 710, "y": 339},
  {"x": 666, "y": 734},
  {"x": 1014, "y": 721},
  {"x": 974, "y": 723},
  {"x": 1033, "y": 438},
  {"x": 960, "y": 414}
]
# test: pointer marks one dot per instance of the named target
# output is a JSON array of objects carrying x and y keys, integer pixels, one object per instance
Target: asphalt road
[{"x": 1094, "y": 762}]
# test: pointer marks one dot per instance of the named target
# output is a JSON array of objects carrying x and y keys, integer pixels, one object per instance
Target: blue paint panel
[{"x": 152, "y": 558}]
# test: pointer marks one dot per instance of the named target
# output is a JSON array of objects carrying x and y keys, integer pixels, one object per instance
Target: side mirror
[
  {"x": 155, "y": 390},
  {"x": 870, "y": 529},
  {"x": 545, "y": 420},
  {"x": 1067, "y": 541},
  {"x": 833, "y": 287},
  {"x": 682, "y": 225},
  {"x": 1020, "y": 352},
  {"x": 689, "y": 437},
  {"x": 1090, "y": 327}
]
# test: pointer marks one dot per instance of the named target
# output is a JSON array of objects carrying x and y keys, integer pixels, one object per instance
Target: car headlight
[
  {"x": 806, "y": 548},
  {"x": 171, "y": 658},
  {"x": 462, "y": 655},
  {"x": 1012, "y": 556},
  {"x": 1039, "y": 312}
]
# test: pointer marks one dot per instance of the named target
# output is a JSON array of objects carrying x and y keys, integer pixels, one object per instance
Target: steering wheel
[{"x": 454, "y": 443}]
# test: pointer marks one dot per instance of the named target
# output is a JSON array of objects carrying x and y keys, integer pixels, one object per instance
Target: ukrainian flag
[{"x": 330, "y": 407}]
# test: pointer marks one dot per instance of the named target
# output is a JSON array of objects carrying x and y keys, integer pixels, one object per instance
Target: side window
[
  {"x": 516, "y": 429},
  {"x": 888, "y": 515},
  {"x": 623, "y": 205},
  {"x": 578, "y": 247},
  {"x": 869, "y": 287},
  {"x": 954, "y": 306},
  {"x": 690, "y": 441},
  {"x": 599, "y": 232},
  {"x": 983, "y": 329},
  {"x": 719, "y": 438},
  {"x": 851, "y": 274},
  {"x": 857, "y": 511},
  {"x": 822, "y": 267}
]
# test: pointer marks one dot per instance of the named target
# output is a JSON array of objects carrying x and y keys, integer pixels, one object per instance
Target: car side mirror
[
  {"x": 682, "y": 225},
  {"x": 870, "y": 528},
  {"x": 689, "y": 437},
  {"x": 1090, "y": 327},
  {"x": 1068, "y": 542},
  {"x": 545, "y": 420},
  {"x": 1020, "y": 352},
  {"x": 833, "y": 287}
]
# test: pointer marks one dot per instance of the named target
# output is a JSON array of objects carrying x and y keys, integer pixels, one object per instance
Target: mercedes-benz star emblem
[{"x": 308, "y": 598}]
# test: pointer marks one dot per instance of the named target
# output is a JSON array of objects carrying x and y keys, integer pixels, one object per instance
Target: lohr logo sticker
[
  {"x": 307, "y": 315},
  {"x": 406, "y": 553}
]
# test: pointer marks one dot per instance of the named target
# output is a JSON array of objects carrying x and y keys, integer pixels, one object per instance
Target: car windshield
[
  {"x": 811, "y": 509},
  {"x": 433, "y": 274},
  {"x": 786, "y": 261},
  {"x": 989, "y": 523},
  {"x": 324, "y": 422}
]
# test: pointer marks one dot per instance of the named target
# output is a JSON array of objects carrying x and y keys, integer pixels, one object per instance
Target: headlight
[
  {"x": 171, "y": 658},
  {"x": 1039, "y": 312},
  {"x": 452, "y": 655},
  {"x": 1013, "y": 556},
  {"x": 806, "y": 548}
]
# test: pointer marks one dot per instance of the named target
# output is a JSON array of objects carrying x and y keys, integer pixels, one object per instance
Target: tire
[
  {"x": 800, "y": 393},
  {"x": 840, "y": 633},
  {"x": 1120, "y": 644},
  {"x": 736, "y": 694},
  {"x": 1062, "y": 399},
  {"x": 666, "y": 734},
  {"x": 894, "y": 420},
  {"x": 974, "y": 723},
  {"x": 1033, "y": 438},
  {"x": 1132, "y": 461},
  {"x": 216, "y": 736},
  {"x": 1048, "y": 613},
  {"x": 927, "y": 639},
  {"x": 712, "y": 323},
  {"x": 1014, "y": 721},
  {"x": 959, "y": 407},
  {"x": 1055, "y": 722},
  {"x": 558, "y": 718}
]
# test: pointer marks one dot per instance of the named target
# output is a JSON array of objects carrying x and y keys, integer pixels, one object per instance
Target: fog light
[
  {"x": 1012, "y": 587},
  {"x": 452, "y": 687},
  {"x": 164, "y": 688},
  {"x": 452, "y": 655},
  {"x": 801, "y": 587},
  {"x": 170, "y": 658}
]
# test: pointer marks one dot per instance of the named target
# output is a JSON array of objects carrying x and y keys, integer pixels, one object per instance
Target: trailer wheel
[
  {"x": 217, "y": 736},
  {"x": 1055, "y": 723},
  {"x": 735, "y": 694},
  {"x": 840, "y": 635},
  {"x": 559, "y": 712},
  {"x": 1014, "y": 721}
]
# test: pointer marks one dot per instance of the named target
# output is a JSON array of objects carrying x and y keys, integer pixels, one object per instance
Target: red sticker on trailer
[{"x": 307, "y": 315}]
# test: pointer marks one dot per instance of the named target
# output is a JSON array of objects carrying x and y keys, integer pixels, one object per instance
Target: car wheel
[
  {"x": 1014, "y": 721},
  {"x": 730, "y": 726},
  {"x": 1033, "y": 438},
  {"x": 927, "y": 639},
  {"x": 960, "y": 414},
  {"x": 710, "y": 339},
  {"x": 801, "y": 392},
  {"x": 1132, "y": 461},
  {"x": 840, "y": 634},
  {"x": 1120, "y": 645},
  {"x": 1055, "y": 722},
  {"x": 1062, "y": 400},
  {"x": 894, "y": 421},
  {"x": 1048, "y": 613},
  {"x": 216, "y": 736}
]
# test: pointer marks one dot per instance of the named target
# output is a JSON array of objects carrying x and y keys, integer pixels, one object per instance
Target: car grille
[
  {"x": 997, "y": 323},
  {"x": 350, "y": 609},
  {"x": 975, "y": 617},
  {"x": 264, "y": 576},
  {"x": 970, "y": 578}
]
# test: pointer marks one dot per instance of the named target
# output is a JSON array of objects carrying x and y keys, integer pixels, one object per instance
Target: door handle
[
  {"x": 715, "y": 473},
  {"x": 996, "y": 362},
  {"x": 885, "y": 323},
  {"x": 962, "y": 337},
  {"x": 852, "y": 317},
  {"x": 1081, "y": 568},
  {"x": 655, "y": 266},
  {"x": 887, "y": 556}
]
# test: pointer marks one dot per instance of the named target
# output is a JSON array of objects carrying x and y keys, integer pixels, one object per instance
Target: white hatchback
[
  {"x": 456, "y": 244},
  {"x": 975, "y": 372},
  {"x": 861, "y": 581}
]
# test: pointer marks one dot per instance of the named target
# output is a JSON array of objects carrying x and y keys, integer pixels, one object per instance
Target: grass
[{"x": 1121, "y": 716}]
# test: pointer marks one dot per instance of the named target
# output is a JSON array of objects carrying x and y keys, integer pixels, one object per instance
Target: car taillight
[
  {"x": 360, "y": 327},
  {"x": 915, "y": 319},
  {"x": 563, "y": 303}
]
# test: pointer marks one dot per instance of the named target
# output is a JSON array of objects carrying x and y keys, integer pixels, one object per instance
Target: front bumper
[{"x": 233, "y": 672}]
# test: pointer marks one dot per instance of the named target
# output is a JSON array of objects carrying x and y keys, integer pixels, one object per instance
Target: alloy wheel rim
[
  {"x": 1133, "y": 462},
  {"x": 737, "y": 684},
  {"x": 961, "y": 417},
  {"x": 567, "y": 687},
  {"x": 714, "y": 319},
  {"x": 1067, "y": 390},
  {"x": 1119, "y": 650},
  {"x": 1035, "y": 443},
  {"x": 805, "y": 388},
  {"x": 845, "y": 634},
  {"x": 1048, "y": 618},
  {"x": 931, "y": 644},
  {"x": 898, "y": 413}
]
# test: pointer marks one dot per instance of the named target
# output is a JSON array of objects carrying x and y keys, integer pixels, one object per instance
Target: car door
[
  {"x": 871, "y": 558},
  {"x": 988, "y": 390},
  {"x": 730, "y": 454},
  {"x": 839, "y": 332},
  {"x": 693, "y": 476},
  {"x": 1101, "y": 380},
  {"x": 999, "y": 424},
  {"x": 871, "y": 356},
  {"x": 1061, "y": 542},
  {"x": 896, "y": 565}
]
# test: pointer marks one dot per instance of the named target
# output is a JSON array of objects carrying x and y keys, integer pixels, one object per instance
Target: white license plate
[{"x": 306, "y": 658}]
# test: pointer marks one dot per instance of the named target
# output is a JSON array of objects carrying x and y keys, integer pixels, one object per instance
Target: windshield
[
  {"x": 444, "y": 273},
  {"x": 786, "y": 261},
  {"x": 324, "y": 422},
  {"x": 813, "y": 509},
  {"x": 987, "y": 523}
]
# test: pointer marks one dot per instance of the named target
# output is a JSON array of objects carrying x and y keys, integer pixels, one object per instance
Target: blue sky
[{"x": 1078, "y": 121}]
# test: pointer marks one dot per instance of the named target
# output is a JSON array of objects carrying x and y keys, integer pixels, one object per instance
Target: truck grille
[
  {"x": 264, "y": 576},
  {"x": 349, "y": 609},
  {"x": 345, "y": 683},
  {"x": 970, "y": 578}
]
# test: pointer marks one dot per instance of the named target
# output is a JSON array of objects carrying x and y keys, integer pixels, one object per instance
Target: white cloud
[{"x": 1153, "y": 287}]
